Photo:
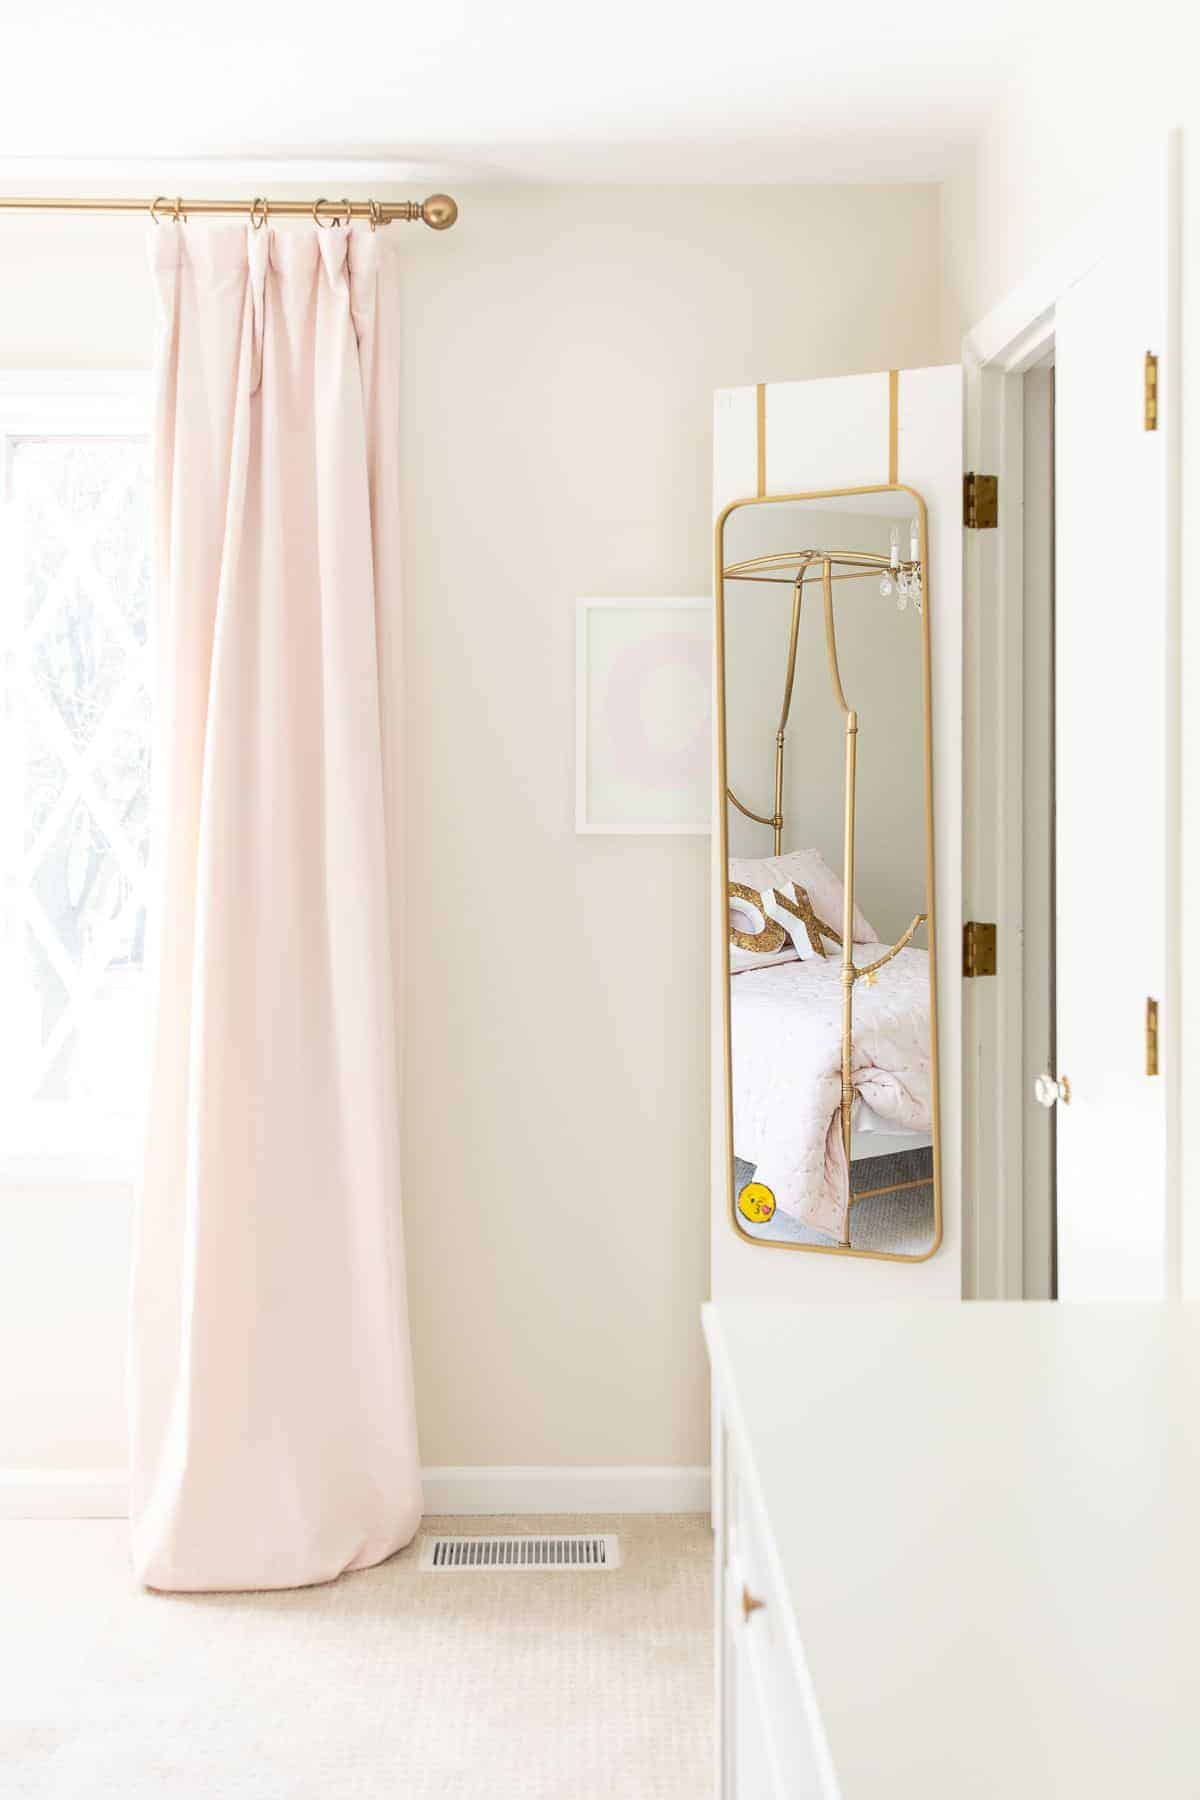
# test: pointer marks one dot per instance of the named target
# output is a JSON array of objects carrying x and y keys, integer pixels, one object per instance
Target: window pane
[{"x": 74, "y": 779}]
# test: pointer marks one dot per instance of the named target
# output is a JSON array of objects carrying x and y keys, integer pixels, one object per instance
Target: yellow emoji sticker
[{"x": 756, "y": 1202}]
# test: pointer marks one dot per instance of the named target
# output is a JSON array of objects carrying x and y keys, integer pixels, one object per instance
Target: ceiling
[{"x": 630, "y": 90}]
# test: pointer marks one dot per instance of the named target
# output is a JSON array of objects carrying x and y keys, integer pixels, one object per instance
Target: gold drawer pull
[{"x": 750, "y": 1603}]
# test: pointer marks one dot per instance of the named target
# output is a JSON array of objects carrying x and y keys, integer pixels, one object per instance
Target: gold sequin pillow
[
  {"x": 775, "y": 925},
  {"x": 808, "y": 870}
]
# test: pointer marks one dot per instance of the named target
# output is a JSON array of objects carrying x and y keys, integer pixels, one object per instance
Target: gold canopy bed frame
[{"x": 798, "y": 569}]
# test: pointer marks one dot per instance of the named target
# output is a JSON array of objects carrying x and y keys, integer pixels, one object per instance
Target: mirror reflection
[{"x": 832, "y": 1064}]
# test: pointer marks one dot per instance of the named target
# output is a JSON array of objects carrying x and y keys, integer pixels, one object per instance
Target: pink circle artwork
[{"x": 630, "y": 701}]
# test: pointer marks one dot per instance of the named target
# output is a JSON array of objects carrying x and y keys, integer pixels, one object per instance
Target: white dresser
[{"x": 957, "y": 1551}]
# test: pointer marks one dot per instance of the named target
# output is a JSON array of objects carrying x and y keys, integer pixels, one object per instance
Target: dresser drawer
[{"x": 767, "y": 1748}]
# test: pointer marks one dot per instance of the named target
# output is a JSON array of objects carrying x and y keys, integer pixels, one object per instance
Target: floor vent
[{"x": 478, "y": 1553}]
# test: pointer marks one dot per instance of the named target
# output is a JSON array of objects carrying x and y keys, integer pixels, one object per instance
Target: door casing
[{"x": 998, "y": 352}]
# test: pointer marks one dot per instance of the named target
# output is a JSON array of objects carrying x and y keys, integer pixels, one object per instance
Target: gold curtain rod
[{"x": 438, "y": 212}]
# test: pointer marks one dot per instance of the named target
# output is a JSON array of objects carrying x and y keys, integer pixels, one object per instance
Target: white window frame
[{"x": 76, "y": 403}]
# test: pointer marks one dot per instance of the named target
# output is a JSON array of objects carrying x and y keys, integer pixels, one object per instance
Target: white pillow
[
  {"x": 809, "y": 870},
  {"x": 751, "y": 914}
]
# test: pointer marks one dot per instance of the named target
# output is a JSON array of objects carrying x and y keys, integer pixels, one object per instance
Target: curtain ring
[
  {"x": 159, "y": 200},
  {"x": 374, "y": 213},
  {"x": 178, "y": 216},
  {"x": 260, "y": 212},
  {"x": 337, "y": 217}
]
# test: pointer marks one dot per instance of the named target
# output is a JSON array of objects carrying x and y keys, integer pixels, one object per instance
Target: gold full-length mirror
[{"x": 824, "y": 608}]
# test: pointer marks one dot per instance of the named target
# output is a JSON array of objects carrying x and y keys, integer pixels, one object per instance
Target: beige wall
[{"x": 562, "y": 348}]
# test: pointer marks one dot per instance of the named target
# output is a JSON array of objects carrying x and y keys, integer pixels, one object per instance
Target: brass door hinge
[
  {"x": 1151, "y": 392},
  {"x": 981, "y": 501},
  {"x": 979, "y": 948},
  {"x": 1152, "y": 1037}
]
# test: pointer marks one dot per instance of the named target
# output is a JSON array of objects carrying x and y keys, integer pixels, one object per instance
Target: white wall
[
  {"x": 562, "y": 347},
  {"x": 64, "y": 1270},
  {"x": 1087, "y": 105},
  {"x": 1082, "y": 107}
]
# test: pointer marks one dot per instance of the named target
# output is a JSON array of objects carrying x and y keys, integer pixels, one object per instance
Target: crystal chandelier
[{"x": 904, "y": 578}]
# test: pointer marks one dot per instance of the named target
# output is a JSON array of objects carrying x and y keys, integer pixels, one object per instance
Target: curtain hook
[
  {"x": 159, "y": 200},
  {"x": 260, "y": 212},
  {"x": 179, "y": 217},
  {"x": 374, "y": 213}
]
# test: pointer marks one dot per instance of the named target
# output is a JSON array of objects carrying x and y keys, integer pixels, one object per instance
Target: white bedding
[
  {"x": 872, "y": 1136},
  {"x": 787, "y": 1055}
]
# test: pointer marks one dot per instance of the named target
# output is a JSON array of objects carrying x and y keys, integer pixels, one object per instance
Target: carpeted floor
[{"x": 387, "y": 1685}]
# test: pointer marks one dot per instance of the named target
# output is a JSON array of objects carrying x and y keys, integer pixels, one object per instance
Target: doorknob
[{"x": 1047, "y": 1091}]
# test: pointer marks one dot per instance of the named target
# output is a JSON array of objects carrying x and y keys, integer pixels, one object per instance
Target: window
[{"x": 75, "y": 699}]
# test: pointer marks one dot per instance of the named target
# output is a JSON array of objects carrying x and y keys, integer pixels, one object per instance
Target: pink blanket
[{"x": 787, "y": 1056}]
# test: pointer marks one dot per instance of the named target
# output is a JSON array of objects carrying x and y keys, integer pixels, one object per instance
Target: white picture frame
[{"x": 643, "y": 716}]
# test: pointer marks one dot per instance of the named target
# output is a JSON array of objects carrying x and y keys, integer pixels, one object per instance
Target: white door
[{"x": 1113, "y": 721}]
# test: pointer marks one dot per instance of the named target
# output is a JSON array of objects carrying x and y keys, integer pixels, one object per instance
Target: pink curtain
[{"x": 273, "y": 1427}]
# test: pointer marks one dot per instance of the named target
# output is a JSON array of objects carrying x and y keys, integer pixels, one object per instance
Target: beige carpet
[{"x": 386, "y": 1685}]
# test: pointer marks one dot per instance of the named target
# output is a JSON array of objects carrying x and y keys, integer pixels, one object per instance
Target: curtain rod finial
[{"x": 439, "y": 212}]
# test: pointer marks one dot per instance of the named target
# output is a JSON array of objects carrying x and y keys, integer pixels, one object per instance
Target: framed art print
[{"x": 643, "y": 738}]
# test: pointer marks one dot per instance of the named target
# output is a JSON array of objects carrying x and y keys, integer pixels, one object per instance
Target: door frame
[{"x": 997, "y": 353}]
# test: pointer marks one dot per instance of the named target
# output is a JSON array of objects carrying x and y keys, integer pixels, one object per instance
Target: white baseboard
[
  {"x": 63, "y": 1494},
  {"x": 616, "y": 1488}
]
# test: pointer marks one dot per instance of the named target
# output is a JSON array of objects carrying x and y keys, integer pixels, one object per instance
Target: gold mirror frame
[{"x": 762, "y": 500}]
